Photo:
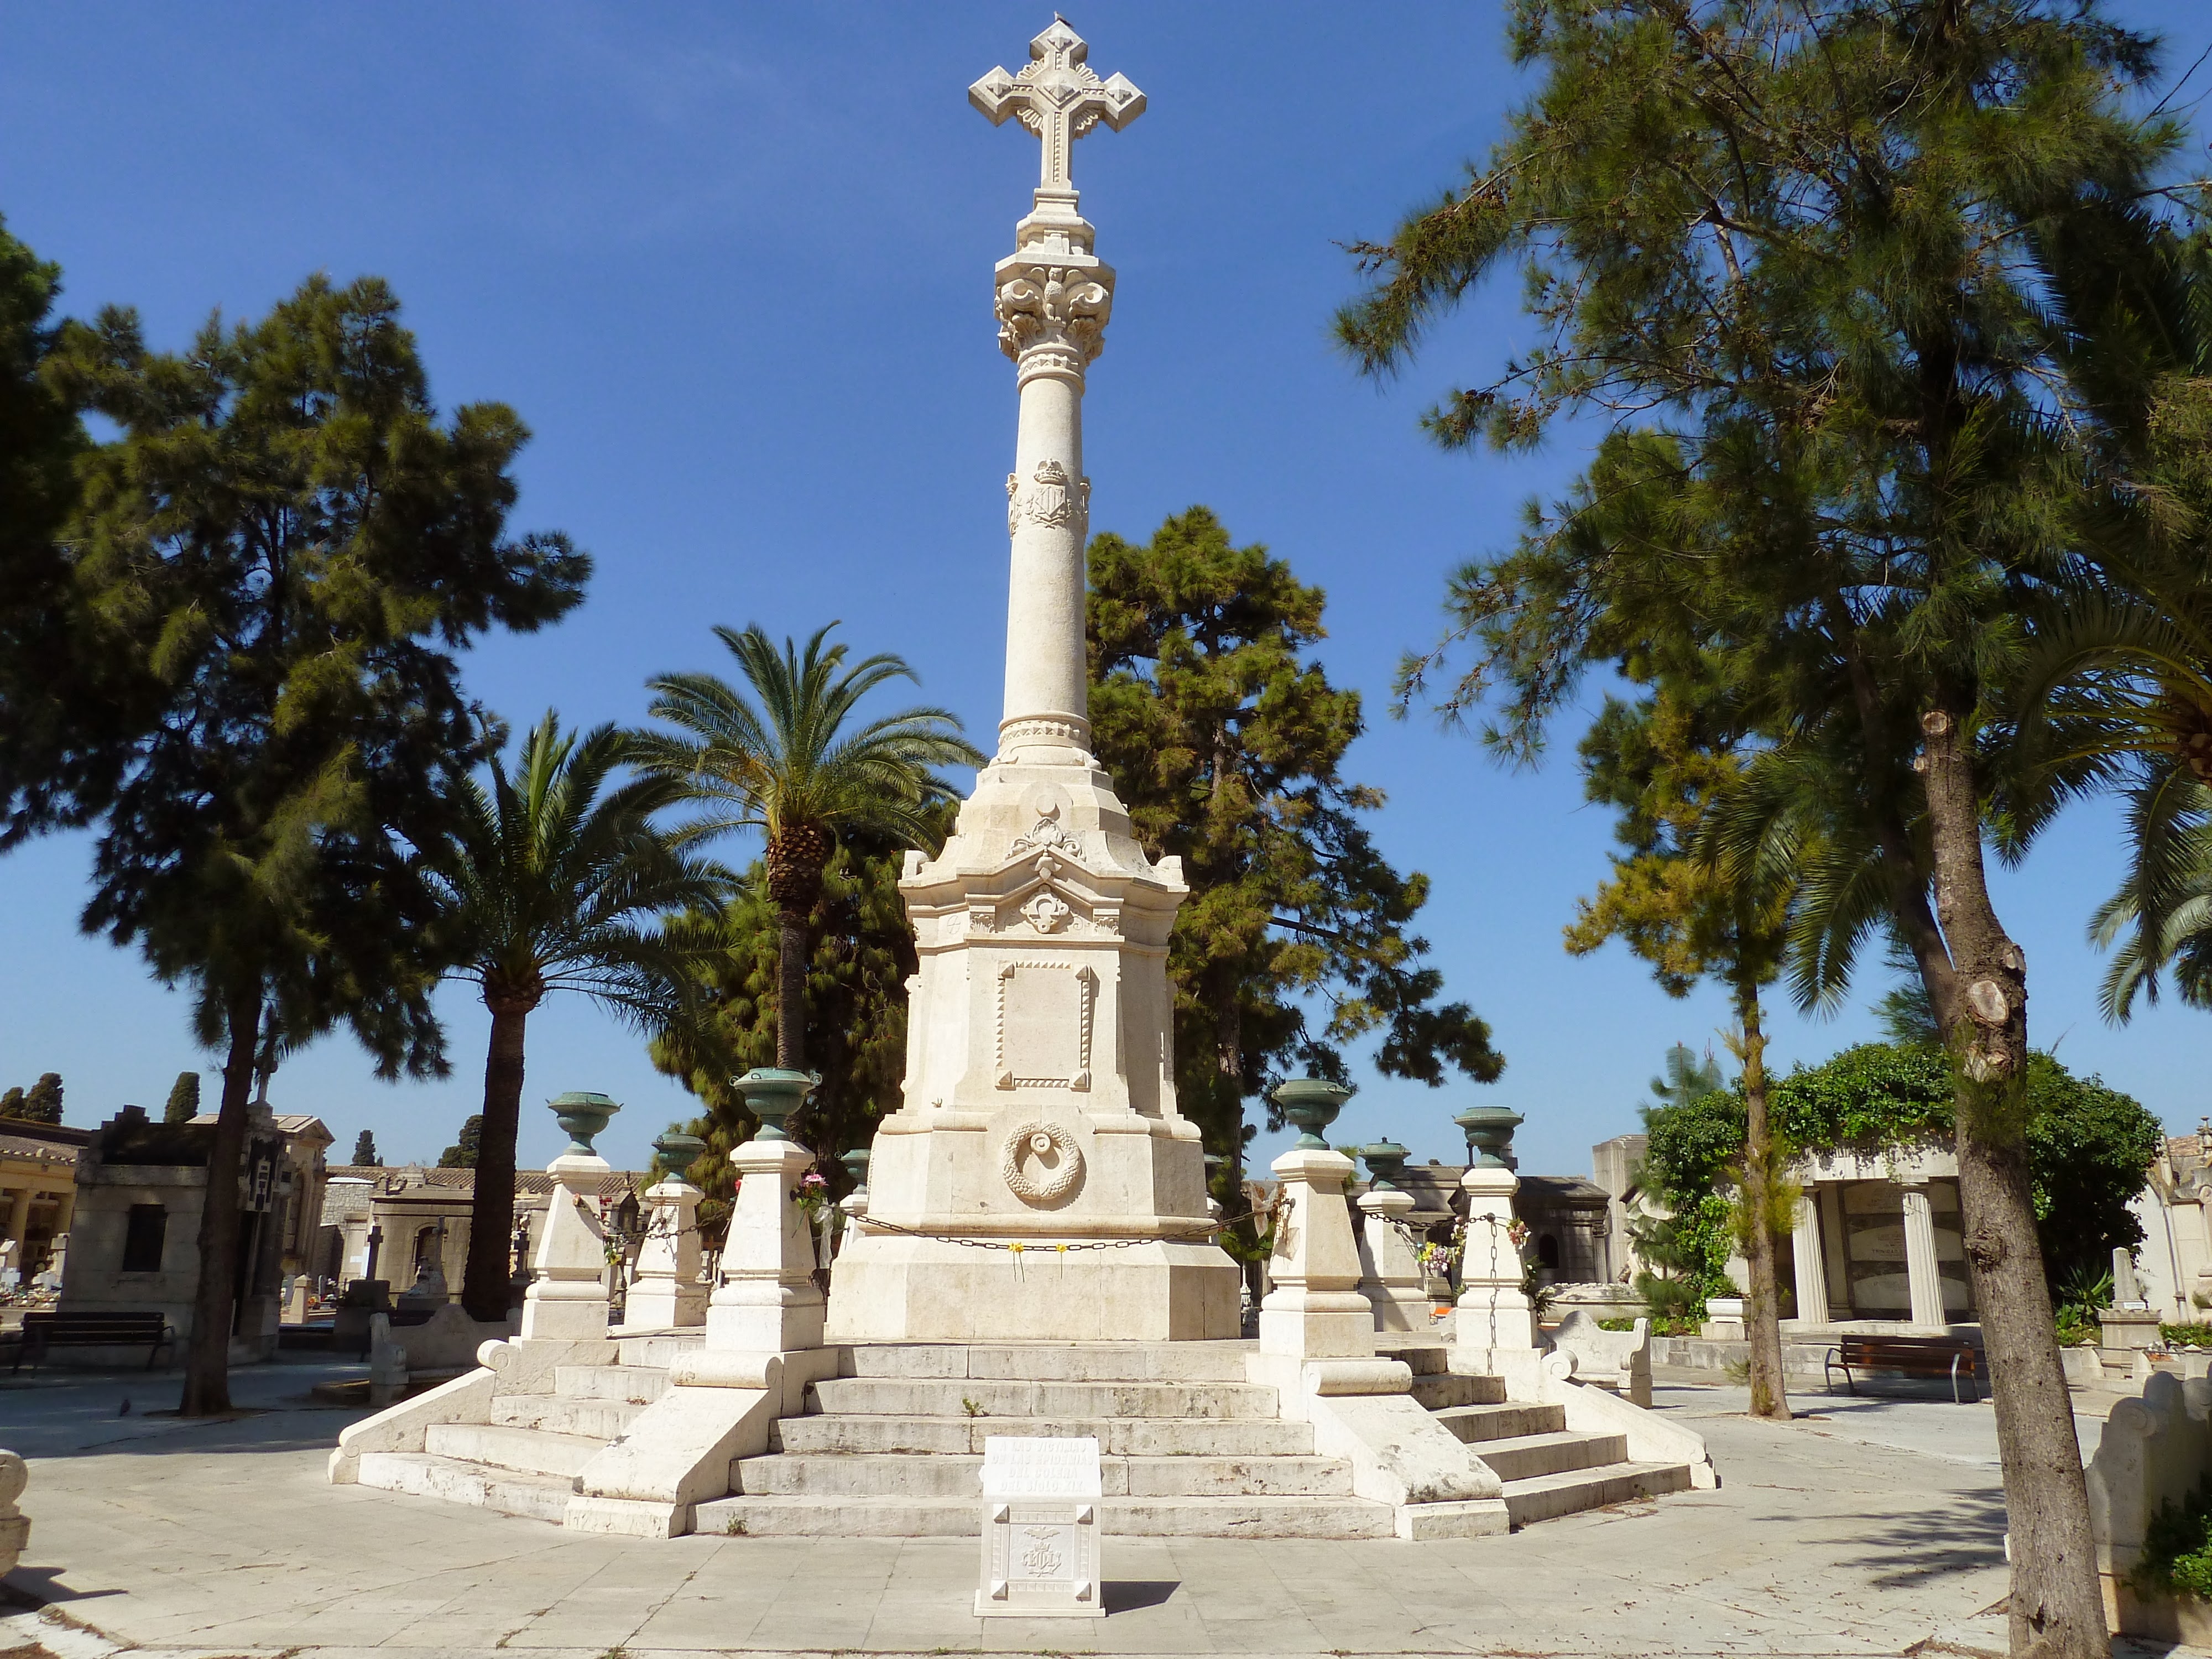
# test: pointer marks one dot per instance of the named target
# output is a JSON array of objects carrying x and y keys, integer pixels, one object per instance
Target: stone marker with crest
[{"x": 1039, "y": 1529}]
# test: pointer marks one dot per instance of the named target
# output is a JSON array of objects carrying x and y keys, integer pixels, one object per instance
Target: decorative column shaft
[
  {"x": 1052, "y": 297},
  {"x": 1807, "y": 1257},
  {"x": 1921, "y": 1275}
]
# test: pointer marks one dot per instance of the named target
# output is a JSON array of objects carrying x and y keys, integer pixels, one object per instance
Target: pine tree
[
  {"x": 43, "y": 1103},
  {"x": 12, "y": 1104},
  {"x": 1806, "y": 264},
  {"x": 462, "y": 1154},
  {"x": 1226, "y": 749},
  {"x": 364, "y": 1152},
  {"x": 285, "y": 548},
  {"x": 183, "y": 1099}
]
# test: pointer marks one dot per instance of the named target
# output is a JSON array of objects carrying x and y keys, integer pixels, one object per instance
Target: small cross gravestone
[{"x": 1039, "y": 1529}]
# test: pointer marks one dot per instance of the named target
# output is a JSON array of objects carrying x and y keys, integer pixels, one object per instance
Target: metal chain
[{"x": 1014, "y": 1247}]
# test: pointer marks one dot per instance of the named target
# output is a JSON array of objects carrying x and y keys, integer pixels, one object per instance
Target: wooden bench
[
  {"x": 1935, "y": 1357},
  {"x": 44, "y": 1331}
]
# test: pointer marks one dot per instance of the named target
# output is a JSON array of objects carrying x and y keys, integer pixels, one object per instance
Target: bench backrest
[
  {"x": 1895, "y": 1350},
  {"x": 128, "y": 1327}
]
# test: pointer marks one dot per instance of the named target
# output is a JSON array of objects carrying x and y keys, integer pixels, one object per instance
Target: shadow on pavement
[
  {"x": 1965, "y": 1535},
  {"x": 1126, "y": 1595}
]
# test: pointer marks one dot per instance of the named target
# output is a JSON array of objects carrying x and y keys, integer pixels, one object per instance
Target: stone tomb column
[
  {"x": 1806, "y": 1254},
  {"x": 1923, "y": 1277},
  {"x": 1039, "y": 1105}
]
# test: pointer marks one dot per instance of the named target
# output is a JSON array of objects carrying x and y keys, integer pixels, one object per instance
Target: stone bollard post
[
  {"x": 768, "y": 1302},
  {"x": 1494, "y": 1327},
  {"x": 568, "y": 1297},
  {"x": 854, "y": 1204},
  {"x": 1391, "y": 1273},
  {"x": 667, "y": 1292},
  {"x": 1315, "y": 1311}
]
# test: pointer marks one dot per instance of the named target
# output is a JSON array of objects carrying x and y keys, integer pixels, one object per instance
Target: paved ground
[{"x": 1873, "y": 1527}]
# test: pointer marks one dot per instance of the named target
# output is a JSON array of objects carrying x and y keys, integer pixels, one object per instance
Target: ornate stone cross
[{"x": 1058, "y": 97}]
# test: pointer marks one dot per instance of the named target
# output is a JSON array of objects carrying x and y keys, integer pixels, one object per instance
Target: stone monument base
[{"x": 888, "y": 1288}]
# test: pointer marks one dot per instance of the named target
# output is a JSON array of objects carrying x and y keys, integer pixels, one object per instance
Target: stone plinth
[
  {"x": 1316, "y": 1310},
  {"x": 666, "y": 1291},
  {"x": 567, "y": 1301},
  {"x": 1040, "y": 1500},
  {"x": 1493, "y": 1328},
  {"x": 768, "y": 1302},
  {"x": 1390, "y": 1274}
]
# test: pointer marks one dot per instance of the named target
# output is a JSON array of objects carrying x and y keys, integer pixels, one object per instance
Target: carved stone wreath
[{"x": 1038, "y": 1138}]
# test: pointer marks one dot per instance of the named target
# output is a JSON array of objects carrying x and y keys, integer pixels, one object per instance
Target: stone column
[
  {"x": 19, "y": 1213},
  {"x": 1921, "y": 1273},
  {"x": 1812, "y": 1269},
  {"x": 768, "y": 1301},
  {"x": 666, "y": 1291},
  {"x": 1316, "y": 1310},
  {"x": 568, "y": 1297},
  {"x": 1493, "y": 1328},
  {"x": 1054, "y": 296},
  {"x": 1391, "y": 1276}
]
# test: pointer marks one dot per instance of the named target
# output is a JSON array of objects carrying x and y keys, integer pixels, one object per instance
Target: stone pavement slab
[{"x": 1875, "y": 1530}]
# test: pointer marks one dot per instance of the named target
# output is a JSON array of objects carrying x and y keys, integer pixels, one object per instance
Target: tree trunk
[
  {"x": 791, "y": 991},
  {"x": 1769, "y": 1395},
  {"x": 487, "y": 1281},
  {"x": 2057, "y": 1605},
  {"x": 207, "y": 1355}
]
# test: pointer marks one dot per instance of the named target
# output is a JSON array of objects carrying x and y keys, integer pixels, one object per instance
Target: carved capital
[{"x": 1052, "y": 319}]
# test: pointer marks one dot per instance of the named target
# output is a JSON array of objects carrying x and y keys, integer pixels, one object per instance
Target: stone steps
[
  {"x": 638, "y": 1385},
  {"x": 508, "y": 1492},
  {"x": 1055, "y": 1362},
  {"x": 1546, "y": 1496},
  {"x": 1127, "y": 1517},
  {"x": 896, "y": 1474},
  {"x": 1531, "y": 1456},
  {"x": 1189, "y": 1436},
  {"x": 601, "y": 1420},
  {"x": 1446, "y": 1390},
  {"x": 976, "y": 1398},
  {"x": 1474, "y": 1424},
  {"x": 529, "y": 1451}
]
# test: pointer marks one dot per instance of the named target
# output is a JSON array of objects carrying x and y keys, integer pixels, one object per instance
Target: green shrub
[
  {"x": 2176, "y": 1556},
  {"x": 2186, "y": 1336}
]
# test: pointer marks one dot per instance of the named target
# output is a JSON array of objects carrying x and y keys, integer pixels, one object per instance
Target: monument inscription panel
[{"x": 1039, "y": 1529}]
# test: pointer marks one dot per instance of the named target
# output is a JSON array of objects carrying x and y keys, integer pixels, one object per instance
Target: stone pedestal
[
  {"x": 768, "y": 1302},
  {"x": 666, "y": 1291},
  {"x": 1040, "y": 1500},
  {"x": 1493, "y": 1328},
  {"x": 15, "y": 1525},
  {"x": 568, "y": 1297},
  {"x": 1316, "y": 1310},
  {"x": 1390, "y": 1274},
  {"x": 1040, "y": 1105},
  {"x": 2127, "y": 1327}
]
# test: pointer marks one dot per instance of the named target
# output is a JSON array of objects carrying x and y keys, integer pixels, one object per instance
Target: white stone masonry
[{"x": 1039, "y": 1105}]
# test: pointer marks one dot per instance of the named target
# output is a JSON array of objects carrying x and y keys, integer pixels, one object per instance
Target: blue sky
[{"x": 731, "y": 264}]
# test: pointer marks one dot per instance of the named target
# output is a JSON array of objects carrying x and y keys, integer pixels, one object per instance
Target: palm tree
[
  {"x": 550, "y": 880},
  {"x": 781, "y": 761}
]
